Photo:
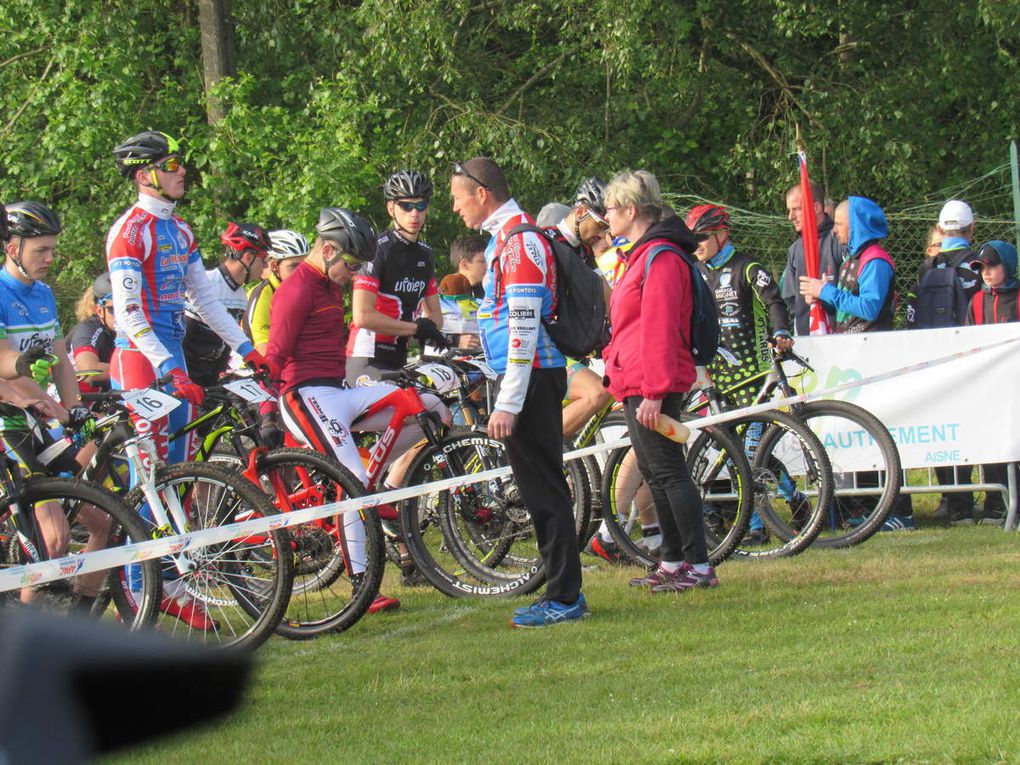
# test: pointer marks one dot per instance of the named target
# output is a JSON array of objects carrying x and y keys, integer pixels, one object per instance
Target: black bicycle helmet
[
  {"x": 407, "y": 184},
  {"x": 30, "y": 219},
  {"x": 143, "y": 149},
  {"x": 592, "y": 194},
  {"x": 239, "y": 238},
  {"x": 350, "y": 231},
  {"x": 102, "y": 287}
]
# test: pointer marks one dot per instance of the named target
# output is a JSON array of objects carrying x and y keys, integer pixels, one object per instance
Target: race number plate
[
  {"x": 440, "y": 376},
  {"x": 249, "y": 390},
  {"x": 150, "y": 403}
]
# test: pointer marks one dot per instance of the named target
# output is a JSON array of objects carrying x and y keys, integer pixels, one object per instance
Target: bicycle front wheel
[
  {"x": 229, "y": 594},
  {"x": 865, "y": 467},
  {"x": 98, "y": 520},
  {"x": 338, "y": 559}
]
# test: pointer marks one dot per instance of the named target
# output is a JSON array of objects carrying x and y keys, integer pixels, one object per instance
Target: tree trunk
[{"x": 217, "y": 51}]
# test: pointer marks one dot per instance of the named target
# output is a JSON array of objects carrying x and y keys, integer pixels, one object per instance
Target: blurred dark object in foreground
[{"x": 73, "y": 688}]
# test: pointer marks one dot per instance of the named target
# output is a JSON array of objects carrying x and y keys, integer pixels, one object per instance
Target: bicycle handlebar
[
  {"x": 115, "y": 396},
  {"x": 789, "y": 355}
]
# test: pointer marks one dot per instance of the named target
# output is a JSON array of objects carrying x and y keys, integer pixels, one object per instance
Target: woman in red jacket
[{"x": 649, "y": 367}]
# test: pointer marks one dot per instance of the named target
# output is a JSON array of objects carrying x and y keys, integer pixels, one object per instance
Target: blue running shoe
[
  {"x": 542, "y": 601},
  {"x": 898, "y": 523},
  {"x": 545, "y": 613}
]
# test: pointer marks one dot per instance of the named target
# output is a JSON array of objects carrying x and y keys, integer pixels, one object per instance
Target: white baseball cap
[
  {"x": 551, "y": 214},
  {"x": 955, "y": 215}
]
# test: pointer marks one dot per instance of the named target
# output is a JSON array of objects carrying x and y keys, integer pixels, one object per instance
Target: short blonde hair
[{"x": 639, "y": 188}]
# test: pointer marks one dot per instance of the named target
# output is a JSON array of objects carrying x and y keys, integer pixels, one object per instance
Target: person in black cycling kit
[
  {"x": 585, "y": 223},
  {"x": 751, "y": 308},
  {"x": 247, "y": 247},
  {"x": 752, "y": 313},
  {"x": 389, "y": 290},
  {"x": 91, "y": 342}
]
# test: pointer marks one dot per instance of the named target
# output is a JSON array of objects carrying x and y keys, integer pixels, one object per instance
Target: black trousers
[
  {"x": 535, "y": 450},
  {"x": 677, "y": 500},
  {"x": 959, "y": 502}
]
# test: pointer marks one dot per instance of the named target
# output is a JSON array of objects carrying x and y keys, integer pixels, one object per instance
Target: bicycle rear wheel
[
  {"x": 98, "y": 520},
  {"x": 474, "y": 540},
  {"x": 612, "y": 427},
  {"x": 718, "y": 467},
  {"x": 109, "y": 467},
  {"x": 326, "y": 596},
  {"x": 232, "y": 594},
  {"x": 793, "y": 484}
]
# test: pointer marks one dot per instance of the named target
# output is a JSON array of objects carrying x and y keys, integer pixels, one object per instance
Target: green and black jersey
[{"x": 751, "y": 311}]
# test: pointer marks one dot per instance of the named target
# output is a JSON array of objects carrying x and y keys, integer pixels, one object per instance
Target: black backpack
[
  {"x": 941, "y": 301},
  {"x": 704, "y": 314},
  {"x": 579, "y": 326}
]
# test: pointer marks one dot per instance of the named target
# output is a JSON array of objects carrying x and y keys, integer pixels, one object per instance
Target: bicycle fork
[{"x": 141, "y": 453}]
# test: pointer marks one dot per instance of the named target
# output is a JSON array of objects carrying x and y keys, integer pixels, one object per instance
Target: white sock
[
  {"x": 604, "y": 533},
  {"x": 671, "y": 567},
  {"x": 651, "y": 542},
  {"x": 701, "y": 568}
]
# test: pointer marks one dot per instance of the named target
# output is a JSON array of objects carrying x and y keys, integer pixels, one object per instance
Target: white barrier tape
[
  {"x": 778, "y": 403},
  {"x": 62, "y": 568},
  {"x": 75, "y": 565}
]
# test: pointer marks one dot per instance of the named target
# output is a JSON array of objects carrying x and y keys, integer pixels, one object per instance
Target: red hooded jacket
[{"x": 649, "y": 354}]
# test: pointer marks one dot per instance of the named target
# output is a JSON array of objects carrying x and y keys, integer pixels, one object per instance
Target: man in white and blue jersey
[{"x": 30, "y": 341}]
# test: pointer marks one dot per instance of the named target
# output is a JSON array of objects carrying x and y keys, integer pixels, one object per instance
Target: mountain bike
[
  {"x": 97, "y": 520},
  {"x": 719, "y": 468},
  {"x": 864, "y": 459},
  {"x": 474, "y": 539},
  {"x": 241, "y": 586}
]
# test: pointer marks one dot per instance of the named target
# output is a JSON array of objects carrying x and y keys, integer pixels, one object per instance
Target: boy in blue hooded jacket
[
  {"x": 863, "y": 297},
  {"x": 997, "y": 302}
]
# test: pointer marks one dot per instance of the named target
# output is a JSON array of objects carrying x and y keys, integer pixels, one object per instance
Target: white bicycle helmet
[{"x": 285, "y": 243}]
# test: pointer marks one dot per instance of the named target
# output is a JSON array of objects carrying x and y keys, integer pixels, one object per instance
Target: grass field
[{"x": 902, "y": 650}]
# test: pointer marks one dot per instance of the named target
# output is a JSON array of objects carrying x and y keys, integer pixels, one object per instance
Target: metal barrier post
[{"x": 1012, "y": 506}]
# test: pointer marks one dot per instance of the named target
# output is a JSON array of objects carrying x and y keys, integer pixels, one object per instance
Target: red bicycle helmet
[
  {"x": 705, "y": 218},
  {"x": 239, "y": 238}
]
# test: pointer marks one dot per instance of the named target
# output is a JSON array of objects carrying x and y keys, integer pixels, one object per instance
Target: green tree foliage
[{"x": 895, "y": 99}]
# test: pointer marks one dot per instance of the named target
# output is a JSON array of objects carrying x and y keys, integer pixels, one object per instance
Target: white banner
[{"x": 962, "y": 413}]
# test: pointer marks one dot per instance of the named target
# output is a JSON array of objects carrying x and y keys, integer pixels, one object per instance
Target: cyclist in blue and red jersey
[
  {"x": 520, "y": 289},
  {"x": 389, "y": 291},
  {"x": 154, "y": 264}
]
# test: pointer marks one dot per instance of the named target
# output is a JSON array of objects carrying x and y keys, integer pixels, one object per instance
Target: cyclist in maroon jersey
[{"x": 306, "y": 344}]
